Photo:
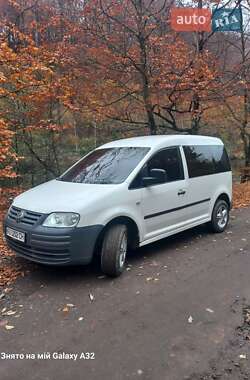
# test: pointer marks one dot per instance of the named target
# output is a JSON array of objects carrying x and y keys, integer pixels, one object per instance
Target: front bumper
[{"x": 54, "y": 246}]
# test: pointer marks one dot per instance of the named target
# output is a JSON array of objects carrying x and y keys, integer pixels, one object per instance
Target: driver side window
[{"x": 168, "y": 159}]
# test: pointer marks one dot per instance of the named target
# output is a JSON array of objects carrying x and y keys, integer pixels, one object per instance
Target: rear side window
[{"x": 206, "y": 160}]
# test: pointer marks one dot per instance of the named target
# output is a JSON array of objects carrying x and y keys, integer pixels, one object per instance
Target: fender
[
  {"x": 219, "y": 191},
  {"x": 108, "y": 215}
]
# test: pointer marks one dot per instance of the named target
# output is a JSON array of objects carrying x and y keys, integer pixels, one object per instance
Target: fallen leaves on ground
[
  {"x": 241, "y": 195},
  {"x": 190, "y": 319},
  {"x": 91, "y": 297},
  {"x": 9, "y": 268},
  {"x": 9, "y": 327},
  {"x": 209, "y": 310}
]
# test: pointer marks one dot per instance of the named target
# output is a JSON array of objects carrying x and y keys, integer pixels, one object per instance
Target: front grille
[
  {"x": 29, "y": 217},
  {"x": 52, "y": 252}
]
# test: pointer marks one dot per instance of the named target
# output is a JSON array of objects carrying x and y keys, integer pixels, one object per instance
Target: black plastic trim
[{"x": 54, "y": 246}]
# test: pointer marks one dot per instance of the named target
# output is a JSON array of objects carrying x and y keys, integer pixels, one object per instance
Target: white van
[{"x": 122, "y": 195}]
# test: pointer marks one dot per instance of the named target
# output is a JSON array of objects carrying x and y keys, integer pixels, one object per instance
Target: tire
[
  {"x": 114, "y": 250},
  {"x": 220, "y": 216}
]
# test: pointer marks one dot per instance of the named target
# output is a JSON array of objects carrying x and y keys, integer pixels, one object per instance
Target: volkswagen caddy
[{"x": 123, "y": 195}]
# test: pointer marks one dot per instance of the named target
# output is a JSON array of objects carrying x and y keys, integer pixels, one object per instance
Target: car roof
[{"x": 160, "y": 141}]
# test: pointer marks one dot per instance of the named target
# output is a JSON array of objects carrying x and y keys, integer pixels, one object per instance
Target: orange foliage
[
  {"x": 241, "y": 195},
  {"x": 6, "y": 154}
]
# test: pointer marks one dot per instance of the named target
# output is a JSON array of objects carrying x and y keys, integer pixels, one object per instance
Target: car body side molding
[{"x": 176, "y": 209}]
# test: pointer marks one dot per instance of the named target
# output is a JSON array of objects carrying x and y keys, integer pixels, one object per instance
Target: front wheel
[
  {"x": 114, "y": 250},
  {"x": 220, "y": 216}
]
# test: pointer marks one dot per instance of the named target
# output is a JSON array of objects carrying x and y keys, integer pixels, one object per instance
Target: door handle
[{"x": 181, "y": 192}]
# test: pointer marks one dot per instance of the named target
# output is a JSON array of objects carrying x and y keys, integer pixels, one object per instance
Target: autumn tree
[
  {"x": 154, "y": 71},
  {"x": 7, "y": 156},
  {"x": 67, "y": 64},
  {"x": 37, "y": 55},
  {"x": 237, "y": 100}
]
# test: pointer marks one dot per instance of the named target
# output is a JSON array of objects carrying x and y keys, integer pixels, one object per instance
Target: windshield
[{"x": 106, "y": 166}]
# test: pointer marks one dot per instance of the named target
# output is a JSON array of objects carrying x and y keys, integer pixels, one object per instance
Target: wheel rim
[
  {"x": 123, "y": 251},
  {"x": 222, "y": 216}
]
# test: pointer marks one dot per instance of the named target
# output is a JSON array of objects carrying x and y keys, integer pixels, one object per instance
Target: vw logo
[{"x": 19, "y": 216}]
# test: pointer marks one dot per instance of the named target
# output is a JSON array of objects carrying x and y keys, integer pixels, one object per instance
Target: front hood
[{"x": 62, "y": 196}]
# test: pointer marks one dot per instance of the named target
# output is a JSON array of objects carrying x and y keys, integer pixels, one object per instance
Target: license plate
[{"x": 14, "y": 234}]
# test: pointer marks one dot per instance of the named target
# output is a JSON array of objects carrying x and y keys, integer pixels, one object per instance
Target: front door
[{"x": 162, "y": 204}]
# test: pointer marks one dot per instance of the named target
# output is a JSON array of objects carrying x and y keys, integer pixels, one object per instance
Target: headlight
[{"x": 62, "y": 219}]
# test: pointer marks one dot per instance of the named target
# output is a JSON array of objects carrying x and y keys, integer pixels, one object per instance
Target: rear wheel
[
  {"x": 114, "y": 250},
  {"x": 220, "y": 216}
]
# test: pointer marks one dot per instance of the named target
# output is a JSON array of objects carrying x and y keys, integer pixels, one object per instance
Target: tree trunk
[
  {"x": 145, "y": 71},
  {"x": 244, "y": 134},
  {"x": 145, "y": 88},
  {"x": 247, "y": 150},
  {"x": 196, "y": 104},
  {"x": 196, "y": 117},
  {"x": 149, "y": 110}
]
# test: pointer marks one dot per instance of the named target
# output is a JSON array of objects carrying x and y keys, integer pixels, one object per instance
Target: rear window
[
  {"x": 206, "y": 159},
  {"x": 106, "y": 166}
]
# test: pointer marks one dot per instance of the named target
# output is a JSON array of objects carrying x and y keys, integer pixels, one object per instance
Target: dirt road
[{"x": 180, "y": 311}]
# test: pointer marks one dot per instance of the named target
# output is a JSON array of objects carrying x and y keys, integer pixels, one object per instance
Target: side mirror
[{"x": 157, "y": 176}]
